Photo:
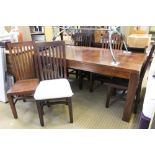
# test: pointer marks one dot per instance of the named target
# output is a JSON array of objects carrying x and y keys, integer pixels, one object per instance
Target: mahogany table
[{"x": 98, "y": 60}]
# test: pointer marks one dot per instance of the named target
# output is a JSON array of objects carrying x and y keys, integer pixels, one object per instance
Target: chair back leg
[
  {"x": 12, "y": 105},
  {"x": 137, "y": 100}
]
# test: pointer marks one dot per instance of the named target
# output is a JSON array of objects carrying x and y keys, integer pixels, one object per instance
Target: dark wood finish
[
  {"x": 138, "y": 50},
  {"x": 98, "y": 60},
  {"x": 51, "y": 60},
  {"x": 123, "y": 84},
  {"x": 21, "y": 56},
  {"x": 22, "y": 60},
  {"x": 23, "y": 86},
  {"x": 142, "y": 74},
  {"x": 61, "y": 34},
  {"x": 116, "y": 41},
  {"x": 82, "y": 39},
  {"x": 132, "y": 86}
]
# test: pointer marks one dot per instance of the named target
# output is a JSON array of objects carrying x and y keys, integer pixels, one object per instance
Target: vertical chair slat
[
  {"x": 57, "y": 61},
  {"x": 14, "y": 62},
  {"x": 51, "y": 57},
  {"x": 31, "y": 53},
  {"x": 53, "y": 61},
  {"x": 27, "y": 61},
  {"x": 19, "y": 62},
  {"x": 46, "y": 67},
  {"x": 51, "y": 64},
  {"x": 60, "y": 60},
  {"x": 22, "y": 60}
]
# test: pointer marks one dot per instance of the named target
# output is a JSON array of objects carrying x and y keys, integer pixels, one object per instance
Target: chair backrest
[
  {"x": 83, "y": 39},
  {"x": 51, "y": 60},
  {"x": 116, "y": 40},
  {"x": 22, "y": 60},
  {"x": 145, "y": 65}
]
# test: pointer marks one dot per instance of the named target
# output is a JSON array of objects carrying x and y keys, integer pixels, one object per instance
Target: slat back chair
[
  {"x": 116, "y": 41},
  {"x": 22, "y": 62},
  {"x": 123, "y": 84},
  {"x": 54, "y": 87},
  {"x": 83, "y": 39},
  {"x": 142, "y": 74}
]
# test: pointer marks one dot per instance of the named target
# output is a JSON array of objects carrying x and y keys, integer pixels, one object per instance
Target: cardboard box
[{"x": 139, "y": 40}]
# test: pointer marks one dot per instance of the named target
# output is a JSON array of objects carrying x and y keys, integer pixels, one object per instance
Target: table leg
[{"x": 132, "y": 86}]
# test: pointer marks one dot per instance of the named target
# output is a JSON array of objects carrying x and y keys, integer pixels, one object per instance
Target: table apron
[{"x": 100, "y": 69}]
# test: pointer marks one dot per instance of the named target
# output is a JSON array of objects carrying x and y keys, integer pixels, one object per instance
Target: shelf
[{"x": 37, "y": 33}]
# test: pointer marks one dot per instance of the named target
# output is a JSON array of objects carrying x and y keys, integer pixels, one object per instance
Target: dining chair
[
  {"x": 54, "y": 88},
  {"x": 22, "y": 63},
  {"x": 117, "y": 43},
  {"x": 81, "y": 39},
  {"x": 122, "y": 84}
]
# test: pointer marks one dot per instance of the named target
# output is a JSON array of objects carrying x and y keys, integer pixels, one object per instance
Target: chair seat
[
  {"x": 118, "y": 83},
  {"x": 24, "y": 86},
  {"x": 53, "y": 89}
]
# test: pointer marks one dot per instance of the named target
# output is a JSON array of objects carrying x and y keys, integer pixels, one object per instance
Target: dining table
[{"x": 99, "y": 60}]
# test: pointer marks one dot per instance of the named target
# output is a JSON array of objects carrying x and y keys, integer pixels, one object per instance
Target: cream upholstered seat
[{"x": 56, "y": 88}]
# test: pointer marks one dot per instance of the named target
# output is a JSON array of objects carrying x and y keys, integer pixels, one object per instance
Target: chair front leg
[
  {"x": 137, "y": 100},
  {"x": 40, "y": 112},
  {"x": 12, "y": 105},
  {"x": 69, "y": 100}
]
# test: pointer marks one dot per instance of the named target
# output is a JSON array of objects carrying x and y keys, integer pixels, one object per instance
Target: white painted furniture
[
  {"x": 3, "y": 97},
  {"x": 149, "y": 100}
]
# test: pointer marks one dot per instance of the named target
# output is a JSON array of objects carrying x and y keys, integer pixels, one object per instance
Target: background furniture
[
  {"x": 152, "y": 32},
  {"x": 54, "y": 87},
  {"x": 23, "y": 65},
  {"x": 81, "y": 39},
  {"x": 37, "y": 33},
  {"x": 24, "y": 30},
  {"x": 139, "y": 40},
  {"x": 116, "y": 41},
  {"x": 3, "y": 70}
]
